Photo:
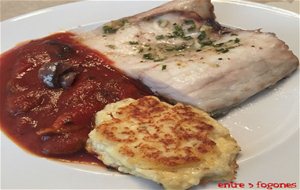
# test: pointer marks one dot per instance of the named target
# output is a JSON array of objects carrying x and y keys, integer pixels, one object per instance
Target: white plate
[{"x": 266, "y": 126}]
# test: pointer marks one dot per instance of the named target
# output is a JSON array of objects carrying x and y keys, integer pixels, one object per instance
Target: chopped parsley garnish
[
  {"x": 159, "y": 59},
  {"x": 222, "y": 50},
  {"x": 178, "y": 31},
  {"x": 237, "y": 40},
  {"x": 113, "y": 26},
  {"x": 163, "y": 67},
  {"x": 176, "y": 47},
  {"x": 226, "y": 46},
  {"x": 153, "y": 57},
  {"x": 187, "y": 37},
  {"x": 189, "y": 22},
  {"x": 133, "y": 42},
  {"x": 141, "y": 50},
  {"x": 192, "y": 25},
  {"x": 218, "y": 45},
  {"x": 170, "y": 48},
  {"x": 202, "y": 35},
  {"x": 109, "y": 30},
  {"x": 148, "y": 56},
  {"x": 157, "y": 53},
  {"x": 206, "y": 42},
  {"x": 170, "y": 36},
  {"x": 111, "y": 46},
  {"x": 159, "y": 37}
]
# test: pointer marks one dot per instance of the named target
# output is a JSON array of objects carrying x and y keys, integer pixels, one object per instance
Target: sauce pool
[{"x": 55, "y": 122}]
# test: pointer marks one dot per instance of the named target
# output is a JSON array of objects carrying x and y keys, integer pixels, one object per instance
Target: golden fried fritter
[{"x": 178, "y": 146}]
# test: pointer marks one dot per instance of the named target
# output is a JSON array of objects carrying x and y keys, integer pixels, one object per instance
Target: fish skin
[
  {"x": 200, "y": 8},
  {"x": 207, "y": 79}
]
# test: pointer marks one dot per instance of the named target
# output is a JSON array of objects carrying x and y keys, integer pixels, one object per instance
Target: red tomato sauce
[{"x": 55, "y": 122}]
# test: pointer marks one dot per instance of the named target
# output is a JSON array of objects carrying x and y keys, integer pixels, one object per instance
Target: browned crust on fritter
[
  {"x": 162, "y": 133},
  {"x": 229, "y": 177}
]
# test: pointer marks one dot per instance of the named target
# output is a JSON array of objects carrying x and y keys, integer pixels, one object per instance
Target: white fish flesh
[{"x": 183, "y": 54}]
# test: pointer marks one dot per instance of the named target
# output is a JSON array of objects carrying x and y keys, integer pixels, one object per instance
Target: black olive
[
  {"x": 63, "y": 49},
  {"x": 57, "y": 74},
  {"x": 48, "y": 74},
  {"x": 67, "y": 79}
]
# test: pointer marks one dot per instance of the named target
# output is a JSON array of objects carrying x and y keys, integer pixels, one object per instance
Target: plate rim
[
  {"x": 239, "y": 2},
  {"x": 47, "y": 10}
]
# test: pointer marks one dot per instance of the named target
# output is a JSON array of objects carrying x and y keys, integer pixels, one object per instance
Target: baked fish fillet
[{"x": 183, "y": 54}]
